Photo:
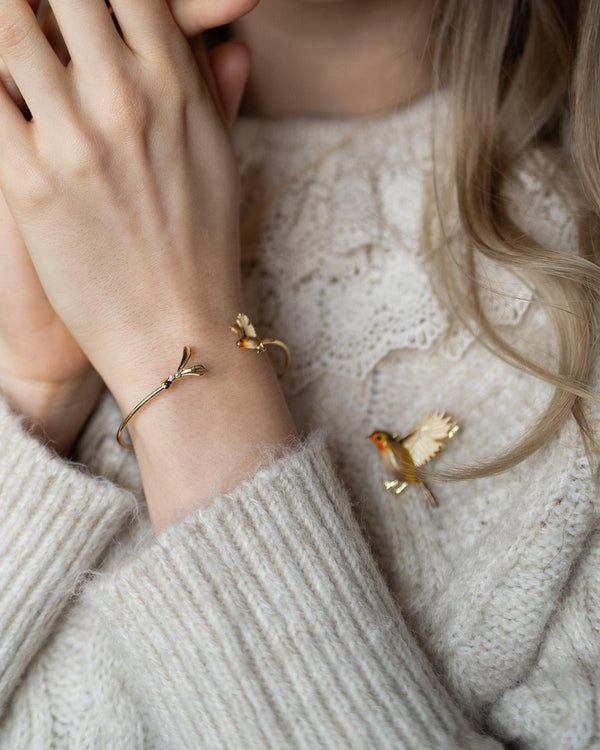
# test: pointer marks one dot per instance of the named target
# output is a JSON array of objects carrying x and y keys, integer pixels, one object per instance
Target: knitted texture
[{"x": 308, "y": 607}]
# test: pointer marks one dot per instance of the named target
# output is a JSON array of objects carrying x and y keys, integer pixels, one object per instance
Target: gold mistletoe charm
[
  {"x": 401, "y": 455},
  {"x": 249, "y": 340},
  {"x": 181, "y": 372},
  {"x": 193, "y": 370}
]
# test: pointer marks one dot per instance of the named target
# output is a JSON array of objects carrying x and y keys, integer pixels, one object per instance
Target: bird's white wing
[
  {"x": 243, "y": 327},
  {"x": 246, "y": 326},
  {"x": 427, "y": 439}
]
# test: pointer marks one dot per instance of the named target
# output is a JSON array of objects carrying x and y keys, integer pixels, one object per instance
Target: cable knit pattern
[
  {"x": 308, "y": 607},
  {"x": 350, "y": 229}
]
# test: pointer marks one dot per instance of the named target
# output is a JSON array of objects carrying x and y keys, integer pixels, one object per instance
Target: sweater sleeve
[
  {"x": 263, "y": 621},
  {"x": 55, "y": 521}
]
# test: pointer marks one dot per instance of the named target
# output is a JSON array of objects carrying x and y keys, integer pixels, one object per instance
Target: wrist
[
  {"x": 136, "y": 368},
  {"x": 54, "y": 412},
  {"x": 203, "y": 435},
  {"x": 236, "y": 376}
]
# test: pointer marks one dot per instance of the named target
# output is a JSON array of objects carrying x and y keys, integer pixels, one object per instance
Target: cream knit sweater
[{"x": 308, "y": 607}]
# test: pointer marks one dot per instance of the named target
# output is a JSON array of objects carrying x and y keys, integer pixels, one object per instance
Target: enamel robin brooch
[{"x": 401, "y": 455}]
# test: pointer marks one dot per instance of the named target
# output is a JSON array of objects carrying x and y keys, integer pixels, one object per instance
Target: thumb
[{"x": 230, "y": 65}]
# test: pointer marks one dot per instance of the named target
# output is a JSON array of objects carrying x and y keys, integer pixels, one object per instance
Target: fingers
[
  {"x": 195, "y": 16},
  {"x": 148, "y": 27},
  {"x": 15, "y": 139},
  {"x": 53, "y": 35},
  {"x": 88, "y": 31},
  {"x": 230, "y": 64},
  {"x": 31, "y": 61},
  {"x": 11, "y": 87}
]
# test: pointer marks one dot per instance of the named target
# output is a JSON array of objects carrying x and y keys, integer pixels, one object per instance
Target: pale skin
[
  {"x": 335, "y": 57},
  {"x": 123, "y": 245}
]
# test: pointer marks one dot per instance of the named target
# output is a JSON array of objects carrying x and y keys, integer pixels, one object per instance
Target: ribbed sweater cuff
[
  {"x": 55, "y": 520},
  {"x": 98, "y": 449},
  {"x": 262, "y": 621}
]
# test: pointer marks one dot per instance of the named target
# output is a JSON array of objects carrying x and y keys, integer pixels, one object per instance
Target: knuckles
[
  {"x": 37, "y": 187},
  {"x": 127, "y": 112},
  {"x": 86, "y": 153},
  {"x": 127, "y": 104}
]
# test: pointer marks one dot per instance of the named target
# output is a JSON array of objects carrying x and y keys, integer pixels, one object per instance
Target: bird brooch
[{"x": 401, "y": 455}]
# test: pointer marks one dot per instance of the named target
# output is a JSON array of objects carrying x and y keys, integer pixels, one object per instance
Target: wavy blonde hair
[{"x": 525, "y": 77}]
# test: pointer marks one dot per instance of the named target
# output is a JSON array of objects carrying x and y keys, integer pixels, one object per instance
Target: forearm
[{"x": 205, "y": 434}]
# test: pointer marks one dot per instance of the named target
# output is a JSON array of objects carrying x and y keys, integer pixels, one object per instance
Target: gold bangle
[
  {"x": 249, "y": 340},
  {"x": 194, "y": 370}
]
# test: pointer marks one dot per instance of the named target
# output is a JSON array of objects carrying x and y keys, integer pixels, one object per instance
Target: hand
[
  {"x": 43, "y": 372},
  {"x": 43, "y": 369}
]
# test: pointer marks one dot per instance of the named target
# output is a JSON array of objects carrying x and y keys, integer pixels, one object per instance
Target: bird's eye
[{"x": 378, "y": 437}]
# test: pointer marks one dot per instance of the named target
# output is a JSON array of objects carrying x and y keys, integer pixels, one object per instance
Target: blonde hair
[{"x": 525, "y": 77}]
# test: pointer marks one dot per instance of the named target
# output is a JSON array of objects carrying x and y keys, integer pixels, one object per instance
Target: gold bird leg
[
  {"x": 395, "y": 485},
  {"x": 428, "y": 494}
]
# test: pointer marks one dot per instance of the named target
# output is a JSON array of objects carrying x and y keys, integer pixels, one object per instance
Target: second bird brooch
[{"x": 401, "y": 455}]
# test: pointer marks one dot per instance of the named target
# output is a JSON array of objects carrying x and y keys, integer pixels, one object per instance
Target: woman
[{"x": 416, "y": 219}]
